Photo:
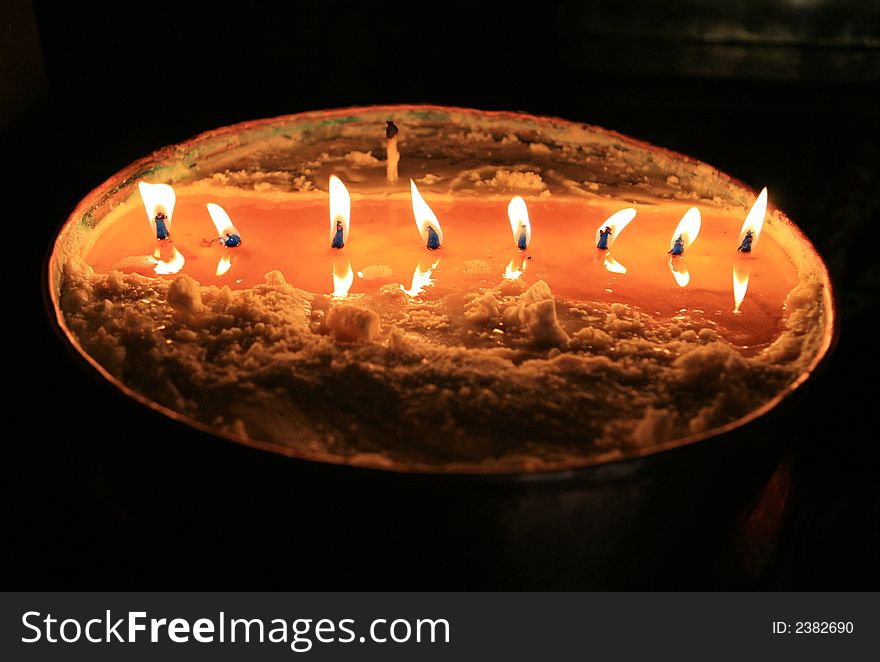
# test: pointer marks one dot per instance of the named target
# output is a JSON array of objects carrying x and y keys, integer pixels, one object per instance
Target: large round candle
[{"x": 572, "y": 334}]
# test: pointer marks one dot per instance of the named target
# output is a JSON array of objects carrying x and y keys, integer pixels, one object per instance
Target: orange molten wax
[{"x": 293, "y": 237}]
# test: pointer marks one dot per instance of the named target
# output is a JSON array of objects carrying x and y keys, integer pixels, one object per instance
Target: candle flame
[
  {"x": 222, "y": 221},
  {"x": 614, "y": 266},
  {"x": 420, "y": 280},
  {"x": 679, "y": 272},
  {"x": 518, "y": 214},
  {"x": 424, "y": 215},
  {"x": 688, "y": 228},
  {"x": 755, "y": 219},
  {"x": 343, "y": 277},
  {"x": 157, "y": 199},
  {"x": 340, "y": 210},
  {"x": 512, "y": 272},
  {"x": 168, "y": 264},
  {"x": 740, "y": 285},
  {"x": 617, "y": 222},
  {"x": 224, "y": 265}
]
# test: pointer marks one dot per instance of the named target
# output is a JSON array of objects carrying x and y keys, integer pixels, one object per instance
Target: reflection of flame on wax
[
  {"x": 343, "y": 277},
  {"x": 340, "y": 208},
  {"x": 614, "y": 266},
  {"x": 512, "y": 272},
  {"x": 424, "y": 215},
  {"x": 157, "y": 198},
  {"x": 755, "y": 219},
  {"x": 420, "y": 280},
  {"x": 168, "y": 263},
  {"x": 617, "y": 222},
  {"x": 679, "y": 272},
  {"x": 518, "y": 214},
  {"x": 688, "y": 228},
  {"x": 740, "y": 285},
  {"x": 224, "y": 265}
]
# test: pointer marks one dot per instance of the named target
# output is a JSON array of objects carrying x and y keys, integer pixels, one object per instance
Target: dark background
[{"x": 782, "y": 93}]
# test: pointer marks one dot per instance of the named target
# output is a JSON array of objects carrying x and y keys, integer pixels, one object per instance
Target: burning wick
[
  {"x": 391, "y": 153},
  {"x": 607, "y": 233},
  {"x": 158, "y": 202},
  {"x": 686, "y": 232},
  {"x": 228, "y": 235},
  {"x": 426, "y": 219},
  {"x": 338, "y": 242},
  {"x": 433, "y": 242},
  {"x": 161, "y": 227},
  {"x": 751, "y": 229},
  {"x": 518, "y": 214},
  {"x": 231, "y": 240},
  {"x": 340, "y": 212}
]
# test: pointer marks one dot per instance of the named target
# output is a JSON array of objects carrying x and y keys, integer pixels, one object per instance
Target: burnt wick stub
[
  {"x": 746, "y": 245},
  {"x": 162, "y": 232},
  {"x": 604, "y": 235},
  {"x": 338, "y": 238},
  {"x": 390, "y": 129},
  {"x": 677, "y": 247},
  {"x": 433, "y": 242},
  {"x": 231, "y": 240}
]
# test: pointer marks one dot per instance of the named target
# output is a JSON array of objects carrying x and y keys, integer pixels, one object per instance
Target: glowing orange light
[
  {"x": 224, "y": 265},
  {"x": 512, "y": 272},
  {"x": 614, "y": 266},
  {"x": 740, "y": 285},
  {"x": 168, "y": 264},
  {"x": 420, "y": 280},
  {"x": 343, "y": 278},
  {"x": 679, "y": 272}
]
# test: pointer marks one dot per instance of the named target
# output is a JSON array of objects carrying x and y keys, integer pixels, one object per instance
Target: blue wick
[
  {"x": 603, "y": 238},
  {"x": 337, "y": 242},
  {"x": 161, "y": 228},
  {"x": 433, "y": 239},
  {"x": 521, "y": 243},
  {"x": 746, "y": 245},
  {"x": 678, "y": 246},
  {"x": 231, "y": 240}
]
